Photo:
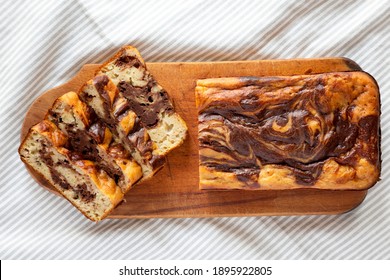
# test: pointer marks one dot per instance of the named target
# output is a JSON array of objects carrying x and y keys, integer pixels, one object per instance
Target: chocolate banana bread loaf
[{"x": 309, "y": 131}]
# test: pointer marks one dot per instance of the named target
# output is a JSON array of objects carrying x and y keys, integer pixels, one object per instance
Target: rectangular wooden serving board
[{"x": 173, "y": 192}]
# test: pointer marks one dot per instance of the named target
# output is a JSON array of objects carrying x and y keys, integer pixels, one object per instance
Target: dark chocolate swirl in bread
[{"x": 300, "y": 125}]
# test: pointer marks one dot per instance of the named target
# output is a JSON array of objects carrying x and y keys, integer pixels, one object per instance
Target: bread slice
[
  {"x": 94, "y": 145},
  {"x": 102, "y": 95},
  {"x": 82, "y": 182},
  {"x": 92, "y": 139},
  {"x": 146, "y": 98}
]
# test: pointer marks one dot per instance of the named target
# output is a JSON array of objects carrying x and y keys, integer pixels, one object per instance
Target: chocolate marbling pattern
[{"x": 285, "y": 121}]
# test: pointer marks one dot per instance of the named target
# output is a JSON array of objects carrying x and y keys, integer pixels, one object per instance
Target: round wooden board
[{"x": 173, "y": 192}]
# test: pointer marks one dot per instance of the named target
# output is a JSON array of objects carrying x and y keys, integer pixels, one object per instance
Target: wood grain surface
[{"x": 173, "y": 192}]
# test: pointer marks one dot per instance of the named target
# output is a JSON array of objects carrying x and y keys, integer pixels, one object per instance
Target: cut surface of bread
[
  {"x": 115, "y": 131},
  {"x": 92, "y": 139},
  {"x": 146, "y": 98},
  {"x": 308, "y": 131},
  {"x": 102, "y": 95},
  {"x": 88, "y": 187}
]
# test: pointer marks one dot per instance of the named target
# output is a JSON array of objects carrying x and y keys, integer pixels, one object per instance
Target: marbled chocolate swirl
[{"x": 318, "y": 131}]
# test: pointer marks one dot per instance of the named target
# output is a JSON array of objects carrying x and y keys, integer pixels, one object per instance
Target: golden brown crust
[
  {"x": 123, "y": 51},
  {"x": 308, "y": 131}
]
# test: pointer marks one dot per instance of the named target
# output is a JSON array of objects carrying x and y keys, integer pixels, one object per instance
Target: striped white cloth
[{"x": 44, "y": 43}]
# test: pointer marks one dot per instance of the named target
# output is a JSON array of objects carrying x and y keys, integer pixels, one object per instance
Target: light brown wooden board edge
[{"x": 39, "y": 108}]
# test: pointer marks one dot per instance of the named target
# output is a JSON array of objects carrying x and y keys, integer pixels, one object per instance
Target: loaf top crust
[{"x": 305, "y": 131}]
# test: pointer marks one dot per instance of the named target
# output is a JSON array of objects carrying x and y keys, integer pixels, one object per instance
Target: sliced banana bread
[
  {"x": 94, "y": 145},
  {"x": 87, "y": 186},
  {"x": 92, "y": 139},
  {"x": 102, "y": 95},
  {"x": 146, "y": 98}
]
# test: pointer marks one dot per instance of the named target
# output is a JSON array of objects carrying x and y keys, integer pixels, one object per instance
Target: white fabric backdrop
[{"x": 44, "y": 43}]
